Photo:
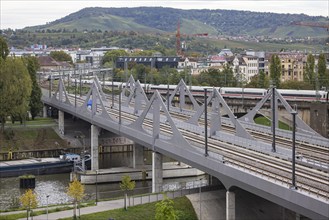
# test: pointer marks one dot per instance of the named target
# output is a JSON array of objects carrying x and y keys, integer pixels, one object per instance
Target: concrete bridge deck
[{"x": 264, "y": 174}]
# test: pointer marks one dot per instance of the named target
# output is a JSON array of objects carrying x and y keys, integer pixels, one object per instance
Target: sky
[{"x": 16, "y": 14}]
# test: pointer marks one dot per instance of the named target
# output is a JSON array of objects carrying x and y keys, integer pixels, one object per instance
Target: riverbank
[
  {"x": 36, "y": 135},
  {"x": 141, "y": 207},
  {"x": 110, "y": 175},
  {"x": 213, "y": 207}
]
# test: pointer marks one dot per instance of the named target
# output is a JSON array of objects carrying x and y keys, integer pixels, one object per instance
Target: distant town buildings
[
  {"x": 245, "y": 65},
  {"x": 153, "y": 62},
  {"x": 47, "y": 63}
]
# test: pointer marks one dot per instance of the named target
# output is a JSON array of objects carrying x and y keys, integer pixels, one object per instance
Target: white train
[
  {"x": 251, "y": 93},
  {"x": 233, "y": 92}
]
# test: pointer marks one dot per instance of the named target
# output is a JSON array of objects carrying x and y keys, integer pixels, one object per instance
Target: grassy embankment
[
  {"x": 35, "y": 134},
  {"x": 182, "y": 206},
  {"x": 267, "y": 122},
  {"x": 3, "y": 215}
]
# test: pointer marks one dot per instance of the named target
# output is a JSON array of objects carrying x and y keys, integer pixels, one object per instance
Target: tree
[
  {"x": 61, "y": 56},
  {"x": 227, "y": 74},
  {"x": 141, "y": 72},
  {"x": 29, "y": 201},
  {"x": 15, "y": 89},
  {"x": 125, "y": 185},
  {"x": 143, "y": 53},
  {"x": 322, "y": 72},
  {"x": 111, "y": 56},
  {"x": 164, "y": 210},
  {"x": 263, "y": 81},
  {"x": 275, "y": 70},
  {"x": 309, "y": 75},
  {"x": 292, "y": 84},
  {"x": 254, "y": 82},
  {"x": 4, "y": 50},
  {"x": 76, "y": 191},
  {"x": 35, "y": 99}
]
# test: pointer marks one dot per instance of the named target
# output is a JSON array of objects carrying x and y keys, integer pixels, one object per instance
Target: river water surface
[{"x": 56, "y": 187}]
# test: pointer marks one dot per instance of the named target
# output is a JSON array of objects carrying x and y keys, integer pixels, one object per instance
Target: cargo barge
[{"x": 38, "y": 166}]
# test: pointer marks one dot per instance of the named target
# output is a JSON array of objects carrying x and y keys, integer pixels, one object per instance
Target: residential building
[
  {"x": 261, "y": 58},
  {"x": 154, "y": 62},
  {"x": 226, "y": 53},
  {"x": 292, "y": 65},
  {"x": 47, "y": 63},
  {"x": 251, "y": 69},
  {"x": 217, "y": 60}
]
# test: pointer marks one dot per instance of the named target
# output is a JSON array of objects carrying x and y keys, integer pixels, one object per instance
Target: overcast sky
[{"x": 19, "y": 14}]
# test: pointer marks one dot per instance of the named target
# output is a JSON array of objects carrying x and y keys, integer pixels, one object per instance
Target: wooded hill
[{"x": 161, "y": 20}]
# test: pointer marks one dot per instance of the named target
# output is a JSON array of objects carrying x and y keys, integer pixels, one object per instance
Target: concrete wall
[{"x": 320, "y": 118}]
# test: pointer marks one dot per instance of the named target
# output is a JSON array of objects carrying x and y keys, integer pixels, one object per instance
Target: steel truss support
[
  {"x": 183, "y": 90},
  {"x": 61, "y": 93},
  {"x": 301, "y": 126},
  {"x": 139, "y": 95},
  {"x": 129, "y": 86},
  {"x": 217, "y": 102},
  {"x": 155, "y": 106},
  {"x": 97, "y": 106}
]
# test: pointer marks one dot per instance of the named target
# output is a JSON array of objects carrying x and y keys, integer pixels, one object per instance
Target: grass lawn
[
  {"x": 35, "y": 213},
  {"x": 30, "y": 138},
  {"x": 267, "y": 122},
  {"x": 182, "y": 205},
  {"x": 35, "y": 122}
]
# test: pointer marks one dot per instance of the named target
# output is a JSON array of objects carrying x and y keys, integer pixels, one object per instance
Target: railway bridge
[
  {"x": 289, "y": 168},
  {"x": 309, "y": 111}
]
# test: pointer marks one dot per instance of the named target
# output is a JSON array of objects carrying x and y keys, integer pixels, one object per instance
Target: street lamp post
[
  {"x": 205, "y": 123},
  {"x": 294, "y": 113},
  {"x": 75, "y": 93},
  {"x": 80, "y": 86},
  {"x": 112, "y": 88},
  {"x": 167, "y": 74},
  {"x": 145, "y": 81},
  {"x": 273, "y": 119},
  {"x": 120, "y": 105},
  {"x": 50, "y": 84},
  {"x": 47, "y": 206}
]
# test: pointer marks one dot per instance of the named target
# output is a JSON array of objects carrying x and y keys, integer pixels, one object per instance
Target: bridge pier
[
  {"x": 94, "y": 147},
  {"x": 230, "y": 205},
  {"x": 297, "y": 216},
  {"x": 61, "y": 122},
  {"x": 138, "y": 155},
  {"x": 156, "y": 172},
  {"x": 44, "y": 111}
]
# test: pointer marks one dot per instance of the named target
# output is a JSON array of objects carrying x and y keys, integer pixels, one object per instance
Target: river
[{"x": 56, "y": 186}]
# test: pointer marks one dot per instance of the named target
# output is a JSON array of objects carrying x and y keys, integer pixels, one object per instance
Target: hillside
[{"x": 214, "y": 22}]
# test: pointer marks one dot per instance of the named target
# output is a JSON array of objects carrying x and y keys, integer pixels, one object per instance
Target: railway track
[
  {"x": 309, "y": 152},
  {"x": 275, "y": 169}
]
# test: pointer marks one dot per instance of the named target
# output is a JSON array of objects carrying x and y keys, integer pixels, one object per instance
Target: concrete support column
[
  {"x": 61, "y": 122},
  {"x": 297, "y": 216},
  {"x": 156, "y": 172},
  {"x": 94, "y": 147},
  {"x": 138, "y": 155},
  {"x": 230, "y": 205},
  {"x": 44, "y": 111}
]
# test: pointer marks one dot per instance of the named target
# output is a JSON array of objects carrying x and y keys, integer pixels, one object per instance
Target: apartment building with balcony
[{"x": 292, "y": 67}]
